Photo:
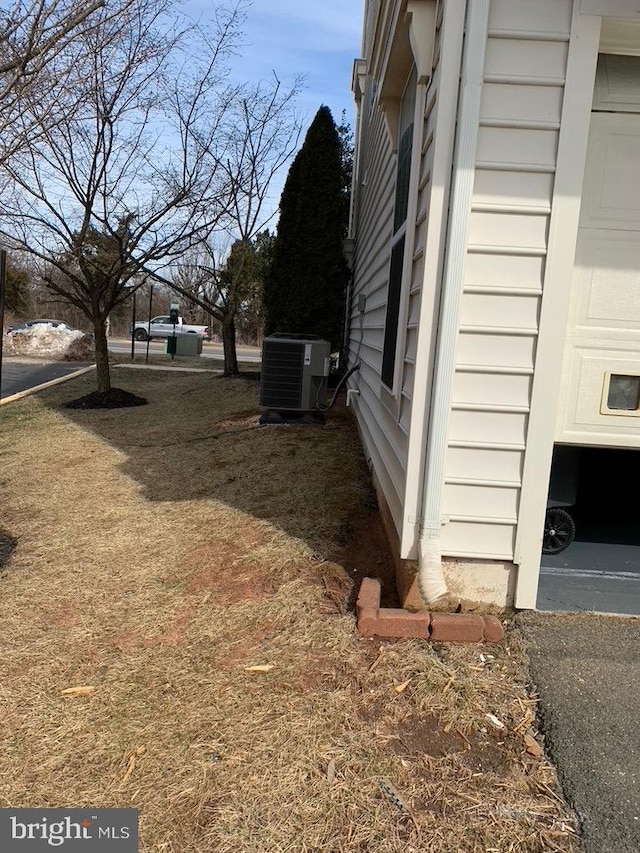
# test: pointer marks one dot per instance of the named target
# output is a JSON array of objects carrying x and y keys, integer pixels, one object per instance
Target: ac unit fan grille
[{"x": 282, "y": 368}]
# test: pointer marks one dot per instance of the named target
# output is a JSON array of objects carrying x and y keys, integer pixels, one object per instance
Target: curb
[
  {"x": 21, "y": 394},
  {"x": 373, "y": 620}
]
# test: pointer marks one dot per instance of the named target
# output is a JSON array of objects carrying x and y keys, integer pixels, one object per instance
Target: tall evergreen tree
[
  {"x": 345, "y": 134},
  {"x": 304, "y": 289}
]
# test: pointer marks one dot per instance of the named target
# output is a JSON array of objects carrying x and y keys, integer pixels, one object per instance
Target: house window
[
  {"x": 393, "y": 312},
  {"x": 403, "y": 179},
  {"x": 405, "y": 146}
]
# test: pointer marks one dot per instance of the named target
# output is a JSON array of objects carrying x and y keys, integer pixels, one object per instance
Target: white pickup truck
[{"x": 161, "y": 327}]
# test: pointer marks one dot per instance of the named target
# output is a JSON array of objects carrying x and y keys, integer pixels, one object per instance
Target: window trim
[
  {"x": 606, "y": 386},
  {"x": 410, "y": 42},
  {"x": 392, "y": 393}
]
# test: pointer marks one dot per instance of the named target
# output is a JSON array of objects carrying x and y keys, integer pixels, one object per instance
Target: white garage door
[{"x": 600, "y": 396}]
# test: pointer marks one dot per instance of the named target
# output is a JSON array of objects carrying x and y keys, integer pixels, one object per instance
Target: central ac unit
[{"x": 295, "y": 372}]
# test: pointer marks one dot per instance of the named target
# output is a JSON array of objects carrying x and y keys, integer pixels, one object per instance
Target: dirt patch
[
  {"x": 81, "y": 349},
  {"x": 362, "y": 551},
  {"x": 7, "y": 547},
  {"x": 231, "y": 585},
  {"x": 490, "y": 756},
  {"x": 228, "y": 571},
  {"x": 245, "y": 376},
  {"x": 426, "y": 736},
  {"x": 59, "y": 615}
]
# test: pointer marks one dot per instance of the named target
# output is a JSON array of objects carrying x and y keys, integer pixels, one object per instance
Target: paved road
[
  {"x": 21, "y": 374},
  {"x": 587, "y": 671},
  {"x": 120, "y": 345}
]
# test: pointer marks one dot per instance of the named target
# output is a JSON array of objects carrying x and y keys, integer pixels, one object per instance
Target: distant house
[{"x": 495, "y": 303}]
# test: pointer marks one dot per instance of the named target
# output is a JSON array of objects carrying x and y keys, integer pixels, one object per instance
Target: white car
[{"x": 161, "y": 327}]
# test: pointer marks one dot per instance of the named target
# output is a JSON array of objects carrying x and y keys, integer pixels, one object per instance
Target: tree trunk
[
  {"x": 102, "y": 357},
  {"x": 229, "y": 347}
]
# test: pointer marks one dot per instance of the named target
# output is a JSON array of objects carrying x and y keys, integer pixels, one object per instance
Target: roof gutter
[{"x": 430, "y": 576}]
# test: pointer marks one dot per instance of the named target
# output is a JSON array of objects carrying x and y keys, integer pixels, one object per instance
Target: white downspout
[{"x": 431, "y": 580}]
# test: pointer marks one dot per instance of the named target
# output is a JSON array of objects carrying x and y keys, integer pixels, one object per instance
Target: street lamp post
[
  {"x": 149, "y": 326},
  {"x": 133, "y": 327}
]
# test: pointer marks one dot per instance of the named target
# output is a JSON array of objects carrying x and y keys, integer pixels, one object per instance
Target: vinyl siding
[
  {"x": 373, "y": 225},
  {"x": 525, "y": 66},
  {"x": 522, "y": 99},
  {"x": 384, "y": 424}
]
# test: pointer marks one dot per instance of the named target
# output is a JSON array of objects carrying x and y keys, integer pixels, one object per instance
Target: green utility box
[
  {"x": 171, "y": 345},
  {"x": 187, "y": 344}
]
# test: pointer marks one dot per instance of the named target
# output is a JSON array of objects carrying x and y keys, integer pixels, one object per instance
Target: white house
[{"x": 495, "y": 303}]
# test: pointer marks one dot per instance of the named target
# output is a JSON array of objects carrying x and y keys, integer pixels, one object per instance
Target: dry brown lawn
[{"x": 195, "y": 573}]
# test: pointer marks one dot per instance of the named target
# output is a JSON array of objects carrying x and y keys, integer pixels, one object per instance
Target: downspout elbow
[{"x": 431, "y": 582}]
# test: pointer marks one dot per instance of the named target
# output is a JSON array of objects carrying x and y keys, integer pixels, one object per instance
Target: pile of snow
[{"x": 47, "y": 341}]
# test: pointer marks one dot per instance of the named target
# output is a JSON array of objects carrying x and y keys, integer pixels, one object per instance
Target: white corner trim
[
  {"x": 477, "y": 23},
  {"x": 563, "y": 229}
]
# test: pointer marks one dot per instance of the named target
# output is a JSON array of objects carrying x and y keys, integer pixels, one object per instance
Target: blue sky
[{"x": 317, "y": 38}]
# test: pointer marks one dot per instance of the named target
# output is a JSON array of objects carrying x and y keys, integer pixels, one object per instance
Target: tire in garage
[{"x": 559, "y": 531}]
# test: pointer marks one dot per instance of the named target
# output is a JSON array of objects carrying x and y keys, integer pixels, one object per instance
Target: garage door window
[{"x": 624, "y": 393}]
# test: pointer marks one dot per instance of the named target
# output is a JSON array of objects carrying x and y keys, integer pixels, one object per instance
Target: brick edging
[{"x": 374, "y": 620}]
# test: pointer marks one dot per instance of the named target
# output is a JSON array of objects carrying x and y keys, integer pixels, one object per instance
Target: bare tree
[
  {"x": 37, "y": 38},
  {"x": 266, "y": 130},
  {"x": 227, "y": 290},
  {"x": 136, "y": 171}
]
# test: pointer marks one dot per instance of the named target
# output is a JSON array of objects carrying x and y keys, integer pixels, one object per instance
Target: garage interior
[{"x": 600, "y": 570}]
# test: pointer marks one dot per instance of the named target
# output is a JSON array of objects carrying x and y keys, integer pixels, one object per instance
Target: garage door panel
[
  {"x": 584, "y": 416},
  {"x": 616, "y": 85},
  {"x": 603, "y": 332},
  {"x": 611, "y": 195},
  {"x": 607, "y": 282}
]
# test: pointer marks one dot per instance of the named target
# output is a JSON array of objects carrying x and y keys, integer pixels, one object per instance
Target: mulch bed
[{"x": 115, "y": 398}]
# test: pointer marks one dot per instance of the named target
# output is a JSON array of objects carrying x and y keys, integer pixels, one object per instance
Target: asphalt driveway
[
  {"x": 22, "y": 374},
  {"x": 586, "y": 670}
]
